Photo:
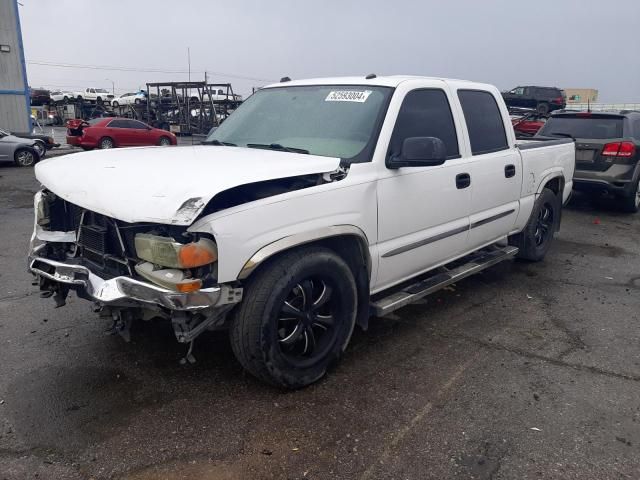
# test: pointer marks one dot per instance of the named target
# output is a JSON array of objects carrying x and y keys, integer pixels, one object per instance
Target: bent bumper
[{"x": 129, "y": 292}]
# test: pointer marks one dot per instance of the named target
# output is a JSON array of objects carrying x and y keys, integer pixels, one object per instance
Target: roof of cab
[{"x": 380, "y": 81}]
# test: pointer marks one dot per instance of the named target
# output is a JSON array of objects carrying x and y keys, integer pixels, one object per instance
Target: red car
[
  {"x": 529, "y": 124},
  {"x": 114, "y": 132}
]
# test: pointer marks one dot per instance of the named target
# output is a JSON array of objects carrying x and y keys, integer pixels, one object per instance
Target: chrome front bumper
[{"x": 129, "y": 292}]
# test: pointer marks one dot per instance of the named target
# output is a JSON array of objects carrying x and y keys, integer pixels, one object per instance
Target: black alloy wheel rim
[
  {"x": 544, "y": 224},
  {"x": 306, "y": 322}
]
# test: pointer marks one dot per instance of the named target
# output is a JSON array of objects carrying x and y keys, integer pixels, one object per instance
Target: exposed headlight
[
  {"x": 41, "y": 202},
  {"x": 165, "y": 251}
]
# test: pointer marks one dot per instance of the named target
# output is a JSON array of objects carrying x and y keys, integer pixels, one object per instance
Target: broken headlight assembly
[{"x": 169, "y": 263}]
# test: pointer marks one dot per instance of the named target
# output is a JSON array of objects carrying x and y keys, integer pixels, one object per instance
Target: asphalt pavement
[{"x": 525, "y": 371}]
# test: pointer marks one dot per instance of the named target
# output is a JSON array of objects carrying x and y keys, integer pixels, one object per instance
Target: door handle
[
  {"x": 510, "y": 171},
  {"x": 463, "y": 180}
]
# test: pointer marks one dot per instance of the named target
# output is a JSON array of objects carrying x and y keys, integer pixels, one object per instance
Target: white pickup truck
[
  {"x": 316, "y": 205},
  {"x": 98, "y": 95}
]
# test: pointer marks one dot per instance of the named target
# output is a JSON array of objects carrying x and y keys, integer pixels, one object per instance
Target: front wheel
[
  {"x": 164, "y": 142},
  {"x": 296, "y": 317},
  {"x": 534, "y": 241},
  {"x": 40, "y": 149},
  {"x": 115, "y": 104}
]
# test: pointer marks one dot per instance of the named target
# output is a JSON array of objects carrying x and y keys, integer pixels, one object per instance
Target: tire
[
  {"x": 631, "y": 203},
  {"x": 277, "y": 334},
  {"x": 25, "y": 157},
  {"x": 137, "y": 101},
  {"x": 164, "y": 141},
  {"x": 87, "y": 149},
  {"x": 534, "y": 241},
  {"x": 40, "y": 148},
  {"x": 65, "y": 100},
  {"x": 106, "y": 143},
  {"x": 115, "y": 104},
  {"x": 543, "y": 108},
  {"x": 99, "y": 101},
  {"x": 79, "y": 98}
]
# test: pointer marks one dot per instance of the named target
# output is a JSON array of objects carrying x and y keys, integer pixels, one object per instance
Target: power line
[{"x": 139, "y": 69}]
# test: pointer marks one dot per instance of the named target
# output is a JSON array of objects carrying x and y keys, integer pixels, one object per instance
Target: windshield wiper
[
  {"x": 277, "y": 146},
  {"x": 219, "y": 143}
]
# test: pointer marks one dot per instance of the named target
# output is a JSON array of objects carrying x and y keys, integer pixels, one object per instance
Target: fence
[{"x": 601, "y": 107}]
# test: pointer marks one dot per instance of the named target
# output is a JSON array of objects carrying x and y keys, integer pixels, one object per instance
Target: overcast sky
[{"x": 564, "y": 43}]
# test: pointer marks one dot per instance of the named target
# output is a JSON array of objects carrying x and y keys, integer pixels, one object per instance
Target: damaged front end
[{"x": 129, "y": 270}]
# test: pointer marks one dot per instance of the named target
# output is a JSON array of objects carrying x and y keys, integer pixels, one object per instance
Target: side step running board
[{"x": 473, "y": 264}]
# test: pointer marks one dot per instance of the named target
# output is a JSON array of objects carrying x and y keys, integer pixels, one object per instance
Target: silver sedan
[{"x": 21, "y": 151}]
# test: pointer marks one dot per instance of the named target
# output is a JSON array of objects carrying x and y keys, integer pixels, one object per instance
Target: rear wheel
[
  {"x": 25, "y": 157},
  {"x": 137, "y": 101},
  {"x": 65, "y": 100},
  {"x": 543, "y": 108},
  {"x": 106, "y": 143},
  {"x": 164, "y": 141},
  {"x": 296, "y": 317},
  {"x": 534, "y": 241},
  {"x": 631, "y": 203},
  {"x": 79, "y": 98},
  {"x": 99, "y": 101},
  {"x": 115, "y": 104}
]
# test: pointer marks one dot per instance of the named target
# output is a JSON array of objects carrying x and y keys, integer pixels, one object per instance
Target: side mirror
[{"x": 419, "y": 152}]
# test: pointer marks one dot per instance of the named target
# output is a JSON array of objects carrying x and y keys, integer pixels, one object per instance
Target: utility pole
[
  {"x": 189, "y": 61},
  {"x": 205, "y": 77}
]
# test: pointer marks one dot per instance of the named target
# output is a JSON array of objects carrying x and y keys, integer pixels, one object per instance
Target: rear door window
[
  {"x": 136, "y": 124},
  {"x": 583, "y": 127},
  {"x": 484, "y": 121},
  {"x": 425, "y": 113},
  {"x": 118, "y": 124}
]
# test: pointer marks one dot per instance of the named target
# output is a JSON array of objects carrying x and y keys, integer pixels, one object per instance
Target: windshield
[
  {"x": 101, "y": 90},
  {"x": 328, "y": 120},
  {"x": 583, "y": 127}
]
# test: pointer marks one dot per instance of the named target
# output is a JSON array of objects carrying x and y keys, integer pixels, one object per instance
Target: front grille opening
[{"x": 105, "y": 245}]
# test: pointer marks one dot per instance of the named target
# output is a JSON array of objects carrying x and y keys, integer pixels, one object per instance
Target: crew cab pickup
[
  {"x": 98, "y": 95},
  {"x": 316, "y": 205}
]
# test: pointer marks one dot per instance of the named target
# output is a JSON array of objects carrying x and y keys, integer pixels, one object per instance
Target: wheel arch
[
  {"x": 555, "y": 182},
  {"x": 347, "y": 241},
  {"x": 341, "y": 237}
]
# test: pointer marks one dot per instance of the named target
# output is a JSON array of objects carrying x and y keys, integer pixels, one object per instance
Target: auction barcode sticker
[{"x": 348, "y": 96}]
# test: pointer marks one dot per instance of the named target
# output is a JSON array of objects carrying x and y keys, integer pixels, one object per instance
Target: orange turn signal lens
[
  {"x": 189, "y": 286},
  {"x": 197, "y": 254}
]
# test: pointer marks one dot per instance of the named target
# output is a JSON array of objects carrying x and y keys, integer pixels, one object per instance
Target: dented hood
[{"x": 169, "y": 185}]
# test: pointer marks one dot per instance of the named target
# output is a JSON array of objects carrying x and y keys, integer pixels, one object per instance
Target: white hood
[{"x": 169, "y": 185}]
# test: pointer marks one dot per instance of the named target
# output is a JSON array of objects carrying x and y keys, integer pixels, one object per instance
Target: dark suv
[
  {"x": 39, "y": 96},
  {"x": 543, "y": 99},
  {"x": 607, "y": 146}
]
